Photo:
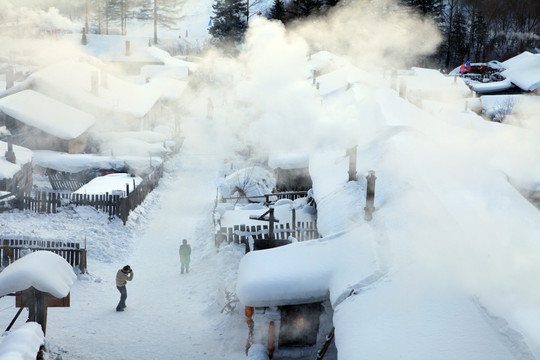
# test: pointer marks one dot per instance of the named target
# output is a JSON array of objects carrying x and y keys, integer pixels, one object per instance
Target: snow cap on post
[{"x": 43, "y": 270}]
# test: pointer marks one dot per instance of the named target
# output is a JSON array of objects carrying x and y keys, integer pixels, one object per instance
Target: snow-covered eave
[
  {"x": 307, "y": 272},
  {"x": 47, "y": 114}
]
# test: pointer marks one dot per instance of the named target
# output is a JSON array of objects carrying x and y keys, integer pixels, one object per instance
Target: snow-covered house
[
  {"x": 116, "y": 104},
  {"x": 46, "y": 125},
  {"x": 519, "y": 74}
]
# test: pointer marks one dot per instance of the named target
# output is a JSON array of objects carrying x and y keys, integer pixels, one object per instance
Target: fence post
[{"x": 370, "y": 195}]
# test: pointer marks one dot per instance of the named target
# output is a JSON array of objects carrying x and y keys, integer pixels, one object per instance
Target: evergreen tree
[
  {"x": 164, "y": 13},
  {"x": 277, "y": 11},
  {"x": 229, "y": 21},
  {"x": 304, "y": 8}
]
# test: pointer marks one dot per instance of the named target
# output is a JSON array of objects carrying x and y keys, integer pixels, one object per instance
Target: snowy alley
[{"x": 169, "y": 315}]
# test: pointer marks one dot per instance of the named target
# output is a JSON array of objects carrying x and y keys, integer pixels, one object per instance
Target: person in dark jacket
[
  {"x": 185, "y": 255},
  {"x": 123, "y": 275}
]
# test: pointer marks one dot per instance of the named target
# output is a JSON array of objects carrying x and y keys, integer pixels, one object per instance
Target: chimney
[
  {"x": 10, "y": 155},
  {"x": 128, "y": 48},
  {"x": 95, "y": 83},
  {"x": 10, "y": 78},
  {"x": 352, "y": 162}
]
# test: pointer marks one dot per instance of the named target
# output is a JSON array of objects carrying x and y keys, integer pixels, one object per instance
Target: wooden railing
[
  {"x": 239, "y": 234},
  {"x": 114, "y": 205},
  {"x": 13, "y": 248},
  {"x": 270, "y": 198}
]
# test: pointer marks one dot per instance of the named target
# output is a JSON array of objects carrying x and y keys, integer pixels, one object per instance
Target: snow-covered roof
[
  {"x": 490, "y": 87},
  {"x": 72, "y": 80},
  {"x": 288, "y": 161},
  {"x": 113, "y": 48},
  {"x": 171, "y": 62},
  {"x": 166, "y": 71},
  {"x": 523, "y": 70},
  {"x": 74, "y": 163},
  {"x": 47, "y": 114},
  {"x": 43, "y": 270},
  {"x": 109, "y": 183},
  {"x": 22, "y": 343},
  {"x": 170, "y": 89},
  {"x": 22, "y": 156},
  {"x": 325, "y": 61}
]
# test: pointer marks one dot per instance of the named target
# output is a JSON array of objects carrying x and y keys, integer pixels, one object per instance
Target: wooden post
[
  {"x": 128, "y": 48},
  {"x": 10, "y": 154},
  {"x": 370, "y": 196},
  {"x": 271, "y": 225},
  {"x": 352, "y": 162}
]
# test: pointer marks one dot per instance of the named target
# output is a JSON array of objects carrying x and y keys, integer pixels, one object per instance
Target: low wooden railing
[{"x": 13, "y": 248}]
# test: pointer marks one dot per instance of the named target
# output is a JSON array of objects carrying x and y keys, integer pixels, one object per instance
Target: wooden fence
[
  {"x": 271, "y": 198},
  {"x": 114, "y": 205},
  {"x": 239, "y": 234},
  {"x": 12, "y": 249}
]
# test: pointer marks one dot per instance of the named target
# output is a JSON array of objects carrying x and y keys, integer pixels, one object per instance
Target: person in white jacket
[{"x": 123, "y": 275}]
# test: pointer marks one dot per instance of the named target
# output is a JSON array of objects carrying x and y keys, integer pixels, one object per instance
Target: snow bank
[
  {"x": 47, "y": 114},
  {"x": 23, "y": 343},
  {"x": 43, "y": 270},
  {"x": 252, "y": 181}
]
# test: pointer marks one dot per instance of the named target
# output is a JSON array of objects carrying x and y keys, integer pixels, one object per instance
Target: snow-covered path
[{"x": 169, "y": 315}]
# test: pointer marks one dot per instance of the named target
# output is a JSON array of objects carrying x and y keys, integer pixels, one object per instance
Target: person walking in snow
[
  {"x": 185, "y": 255},
  {"x": 123, "y": 275},
  {"x": 462, "y": 69}
]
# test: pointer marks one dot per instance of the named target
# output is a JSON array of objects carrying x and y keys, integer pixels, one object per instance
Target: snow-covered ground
[{"x": 169, "y": 315}]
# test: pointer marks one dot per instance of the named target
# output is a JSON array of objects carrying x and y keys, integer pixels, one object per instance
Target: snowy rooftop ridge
[
  {"x": 47, "y": 114},
  {"x": 72, "y": 80}
]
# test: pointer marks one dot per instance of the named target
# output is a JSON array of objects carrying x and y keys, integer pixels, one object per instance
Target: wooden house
[{"x": 39, "y": 122}]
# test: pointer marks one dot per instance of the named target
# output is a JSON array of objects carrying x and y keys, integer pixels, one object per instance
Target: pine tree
[
  {"x": 164, "y": 13},
  {"x": 229, "y": 21},
  {"x": 304, "y": 8},
  {"x": 277, "y": 11}
]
